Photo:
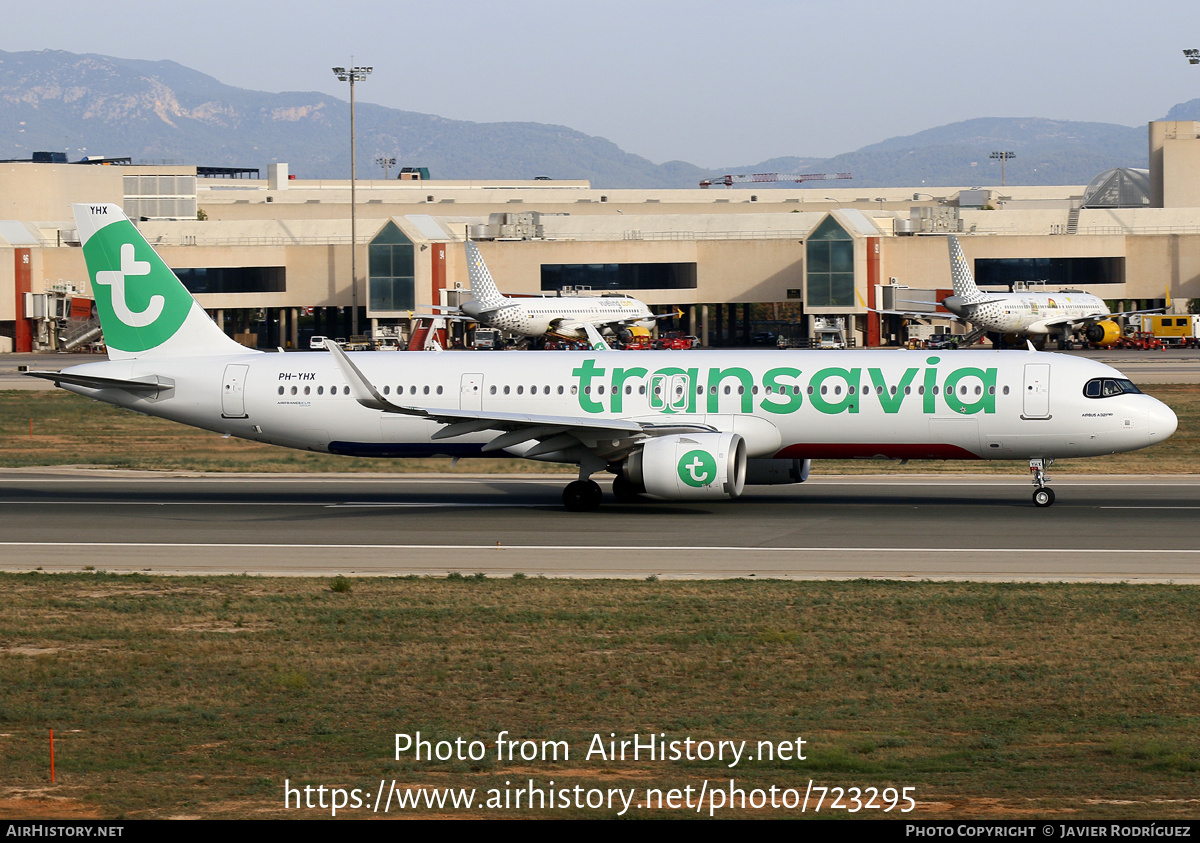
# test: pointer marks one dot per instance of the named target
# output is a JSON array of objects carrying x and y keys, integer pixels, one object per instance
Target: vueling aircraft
[
  {"x": 536, "y": 316},
  {"x": 694, "y": 426},
  {"x": 1027, "y": 313}
]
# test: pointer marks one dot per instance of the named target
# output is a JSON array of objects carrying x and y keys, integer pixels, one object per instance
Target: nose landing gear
[{"x": 1042, "y": 495}]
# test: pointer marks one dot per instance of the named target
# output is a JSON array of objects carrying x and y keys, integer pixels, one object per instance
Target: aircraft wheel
[
  {"x": 625, "y": 490},
  {"x": 1043, "y": 497},
  {"x": 582, "y": 496}
]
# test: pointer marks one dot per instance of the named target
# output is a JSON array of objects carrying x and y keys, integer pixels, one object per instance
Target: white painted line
[
  {"x": 605, "y": 548},
  {"x": 316, "y": 504},
  {"x": 448, "y": 504},
  {"x": 162, "y": 503},
  {"x": 301, "y": 479}
]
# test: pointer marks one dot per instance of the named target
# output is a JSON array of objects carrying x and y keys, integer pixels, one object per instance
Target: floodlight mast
[
  {"x": 355, "y": 73},
  {"x": 1003, "y": 157},
  {"x": 1193, "y": 56}
]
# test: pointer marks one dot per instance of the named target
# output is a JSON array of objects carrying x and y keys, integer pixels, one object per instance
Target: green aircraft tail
[{"x": 144, "y": 308}]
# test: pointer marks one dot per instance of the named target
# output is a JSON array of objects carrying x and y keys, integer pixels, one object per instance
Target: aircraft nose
[{"x": 1162, "y": 421}]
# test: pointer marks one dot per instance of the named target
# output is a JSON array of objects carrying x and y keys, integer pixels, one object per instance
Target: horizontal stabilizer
[
  {"x": 487, "y": 311},
  {"x": 148, "y": 387}
]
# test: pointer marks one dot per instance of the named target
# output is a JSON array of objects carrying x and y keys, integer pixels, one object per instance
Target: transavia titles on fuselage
[
  {"x": 697, "y": 426},
  {"x": 537, "y": 316},
  {"x": 1028, "y": 313}
]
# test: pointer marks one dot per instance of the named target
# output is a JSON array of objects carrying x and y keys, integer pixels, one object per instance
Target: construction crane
[{"x": 729, "y": 181}]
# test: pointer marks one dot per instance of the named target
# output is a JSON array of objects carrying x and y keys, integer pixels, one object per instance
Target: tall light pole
[
  {"x": 385, "y": 162},
  {"x": 1003, "y": 157},
  {"x": 353, "y": 74}
]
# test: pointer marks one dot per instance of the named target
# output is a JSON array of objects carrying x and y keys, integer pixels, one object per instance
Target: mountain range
[{"x": 161, "y": 111}]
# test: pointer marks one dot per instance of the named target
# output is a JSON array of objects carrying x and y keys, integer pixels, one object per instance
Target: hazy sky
[{"x": 713, "y": 83}]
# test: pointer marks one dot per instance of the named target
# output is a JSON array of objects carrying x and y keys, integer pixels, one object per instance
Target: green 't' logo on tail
[{"x": 141, "y": 302}]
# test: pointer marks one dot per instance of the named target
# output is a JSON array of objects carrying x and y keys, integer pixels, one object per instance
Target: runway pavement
[{"x": 961, "y": 527}]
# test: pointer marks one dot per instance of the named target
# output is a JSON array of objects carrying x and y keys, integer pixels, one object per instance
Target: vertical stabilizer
[
  {"x": 483, "y": 288},
  {"x": 144, "y": 309},
  {"x": 960, "y": 271}
]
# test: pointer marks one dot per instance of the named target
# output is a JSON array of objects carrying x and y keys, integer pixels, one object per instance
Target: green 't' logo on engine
[
  {"x": 141, "y": 302},
  {"x": 698, "y": 468}
]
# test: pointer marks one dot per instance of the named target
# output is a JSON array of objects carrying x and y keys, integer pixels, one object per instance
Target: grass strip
[{"x": 200, "y": 696}]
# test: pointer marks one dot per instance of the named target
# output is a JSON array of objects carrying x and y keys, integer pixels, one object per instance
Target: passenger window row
[
  {"x": 345, "y": 390},
  {"x": 534, "y": 389},
  {"x": 309, "y": 390},
  {"x": 1098, "y": 388}
]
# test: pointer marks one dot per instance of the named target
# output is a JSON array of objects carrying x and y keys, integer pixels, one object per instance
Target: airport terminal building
[{"x": 271, "y": 259}]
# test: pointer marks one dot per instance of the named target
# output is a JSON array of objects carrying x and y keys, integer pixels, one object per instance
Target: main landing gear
[
  {"x": 1042, "y": 495},
  {"x": 582, "y": 496}
]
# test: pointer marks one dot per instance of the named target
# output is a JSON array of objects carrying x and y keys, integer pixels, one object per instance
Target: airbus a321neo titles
[{"x": 698, "y": 426}]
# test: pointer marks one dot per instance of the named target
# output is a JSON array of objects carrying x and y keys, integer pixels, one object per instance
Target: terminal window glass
[
  {"x": 1060, "y": 272},
  {"x": 619, "y": 276},
  {"x": 233, "y": 279},
  {"x": 829, "y": 254},
  {"x": 391, "y": 274}
]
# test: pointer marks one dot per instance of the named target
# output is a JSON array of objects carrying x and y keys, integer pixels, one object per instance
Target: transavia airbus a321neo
[{"x": 695, "y": 426}]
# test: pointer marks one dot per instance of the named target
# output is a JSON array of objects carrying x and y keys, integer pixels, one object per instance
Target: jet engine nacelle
[
  {"x": 1106, "y": 333},
  {"x": 701, "y": 466}
]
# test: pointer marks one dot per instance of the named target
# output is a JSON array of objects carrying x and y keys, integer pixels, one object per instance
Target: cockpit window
[{"x": 1108, "y": 387}]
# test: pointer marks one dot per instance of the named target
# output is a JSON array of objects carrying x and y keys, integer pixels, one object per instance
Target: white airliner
[
  {"x": 1061, "y": 314},
  {"x": 697, "y": 426},
  {"x": 538, "y": 316}
]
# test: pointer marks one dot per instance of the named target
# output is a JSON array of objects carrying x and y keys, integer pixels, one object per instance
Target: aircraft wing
[
  {"x": 1081, "y": 322},
  {"x": 1133, "y": 312},
  {"x": 917, "y": 314},
  {"x": 605, "y": 439},
  {"x": 565, "y": 324},
  {"x": 1076, "y": 324},
  {"x": 151, "y": 387}
]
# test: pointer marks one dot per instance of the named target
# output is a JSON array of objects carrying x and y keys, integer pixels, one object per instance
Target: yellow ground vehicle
[{"x": 1174, "y": 329}]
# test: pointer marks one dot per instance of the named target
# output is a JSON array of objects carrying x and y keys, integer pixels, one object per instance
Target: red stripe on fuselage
[{"x": 886, "y": 450}]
